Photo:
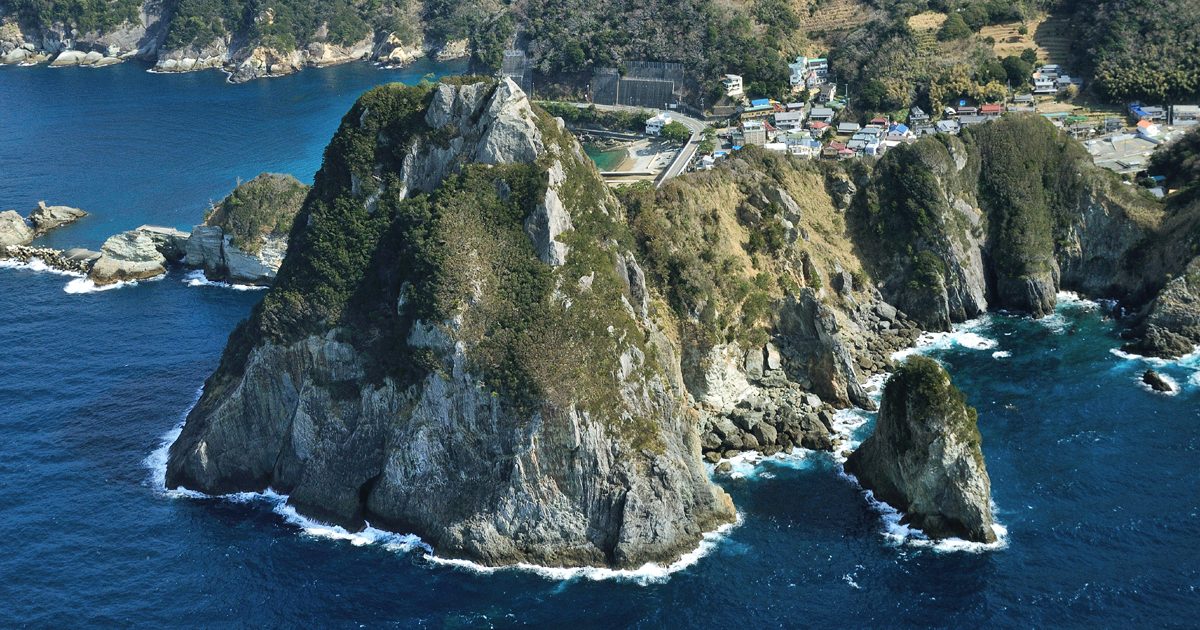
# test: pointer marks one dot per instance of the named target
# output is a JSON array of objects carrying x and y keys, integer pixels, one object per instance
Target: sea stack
[{"x": 924, "y": 457}]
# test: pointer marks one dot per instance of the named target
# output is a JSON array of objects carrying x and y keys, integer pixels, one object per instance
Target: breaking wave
[
  {"x": 197, "y": 278},
  {"x": 37, "y": 264},
  {"x": 649, "y": 573},
  {"x": 899, "y": 534},
  {"x": 85, "y": 285},
  {"x": 965, "y": 335}
]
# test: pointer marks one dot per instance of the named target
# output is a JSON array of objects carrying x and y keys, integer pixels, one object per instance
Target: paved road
[{"x": 684, "y": 156}]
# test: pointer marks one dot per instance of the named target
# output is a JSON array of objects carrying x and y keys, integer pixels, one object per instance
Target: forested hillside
[
  {"x": 1147, "y": 50},
  {"x": 892, "y": 53}
]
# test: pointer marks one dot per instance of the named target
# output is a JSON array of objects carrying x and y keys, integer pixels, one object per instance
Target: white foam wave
[
  {"x": 649, "y": 573},
  {"x": 898, "y": 533},
  {"x": 749, "y": 464},
  {"x": 963, "y": 335},
  {"x": 37, "y": 264},
  {"x": 1001, "y": 354},
  {"x": 1071, "y": 299},
  {"x": 85, "y": 285},
  {"x": 197, "y": 278}
]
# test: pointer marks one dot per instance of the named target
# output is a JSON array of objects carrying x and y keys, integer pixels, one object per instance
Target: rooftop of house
[{"x": 821, "y": 112}]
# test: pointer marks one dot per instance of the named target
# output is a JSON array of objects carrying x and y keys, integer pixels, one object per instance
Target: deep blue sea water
[{"x": 1095, "y": 478}]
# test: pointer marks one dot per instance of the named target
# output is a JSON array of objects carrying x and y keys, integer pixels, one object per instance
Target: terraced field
[
  {"x": 832, "y": 15},
  {"x": 1047, "y": 34}
]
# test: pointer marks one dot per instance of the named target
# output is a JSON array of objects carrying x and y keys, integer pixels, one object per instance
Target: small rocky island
[
  {"x": 243, "y": 239},
  {"x": 925, "y": 458}
]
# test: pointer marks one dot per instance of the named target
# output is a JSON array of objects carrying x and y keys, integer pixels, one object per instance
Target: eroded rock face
[
  {"x": 810, "y": 329},
  {"x": 14, "y": 230},
  {"x": 244, "y": 237},
  {"x": 46, "y": 218},
  {"x": 607, "y": 473},
  {"x": 128, "y": 256},
  {"x": 1170, "y": 325},
  {"x": 924, "y": 457}
]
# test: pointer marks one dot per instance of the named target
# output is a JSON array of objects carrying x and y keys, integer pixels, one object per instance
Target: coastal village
[{"x": 819, "y": 122}]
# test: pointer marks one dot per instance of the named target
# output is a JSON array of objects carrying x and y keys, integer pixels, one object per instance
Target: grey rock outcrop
[
  {"x": 810, "y": 331},
  {"x": 126, "y": 257},
  {"x": 209, "y": 248},
  {"x": 561, "y": 476},
  {"x": 924, "y": 457},
  {"x": 1170, "y": 325},
  {"x": 14, "y": 230},
  {"x": 138, "y": 254},
  {"x": 46, "y": 218}
]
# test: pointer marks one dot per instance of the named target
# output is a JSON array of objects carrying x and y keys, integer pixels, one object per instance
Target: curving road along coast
[{"x": 684, "y": 157}]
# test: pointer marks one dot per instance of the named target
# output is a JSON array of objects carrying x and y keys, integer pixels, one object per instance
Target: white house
[
  {"x": 1148, "y": 130},
  {"x": 654, "y": 126},
  {"x": 788, "y": 121},
  {"x": 733, "y": 85},
  {"x": 809, "y": 72}
]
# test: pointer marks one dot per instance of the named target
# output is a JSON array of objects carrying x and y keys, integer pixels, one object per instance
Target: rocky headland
[
  {"x": 454, "y": 347},
  {"x": 925, "y": 455},
  {"x": 472, "y": 339}
]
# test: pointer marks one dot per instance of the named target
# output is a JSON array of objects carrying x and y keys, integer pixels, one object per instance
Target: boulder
[
  {"x": 924, "y": 457},
  {"x": 774, "y": 359},
  {"x": 1158, "y": 382},
  {"x": 765, "y": 433},
  {"x": 126, "y": 257},
  {"x": 46, "y": 218},
  {"x": 14, "y": 230},
  {"x": 68, "y": 58}
]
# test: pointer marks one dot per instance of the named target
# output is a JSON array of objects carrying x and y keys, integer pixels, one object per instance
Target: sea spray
[{"x": 649, "y": 573}]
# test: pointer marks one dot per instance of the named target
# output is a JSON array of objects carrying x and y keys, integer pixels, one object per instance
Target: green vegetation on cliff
[
  {"x": 89, "y": 16},
  {"x": 285, "y": 24},
  {"x": 922, "y": 379},
  {"x": 1029, "y": 181},
  {"x": 373, "y": 260},
  {"x": 263, "y": 206},
  {"x": 1179, "y": 161}
]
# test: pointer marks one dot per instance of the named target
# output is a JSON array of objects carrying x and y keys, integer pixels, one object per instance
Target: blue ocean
[{"x": 1094, "y": 477}]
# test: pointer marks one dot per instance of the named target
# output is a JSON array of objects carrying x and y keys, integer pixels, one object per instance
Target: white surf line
[
  {"x": 649, "y": 573},
  {"x": 38, "y": 265},
  {"x": 196, "y": 278}
]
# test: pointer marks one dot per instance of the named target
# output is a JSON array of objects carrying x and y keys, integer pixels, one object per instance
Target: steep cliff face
[
  {"x": 925, "y": 457},
  {"x": 1005, "y": 217},
  {"x": 453, "y": 348},
  {"x": 923, "y": 234}
]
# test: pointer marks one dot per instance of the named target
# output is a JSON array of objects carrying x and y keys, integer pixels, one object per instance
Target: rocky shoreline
[
  {"x": 62, "y": 48},
  {"x": 223, "y": 247}
]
